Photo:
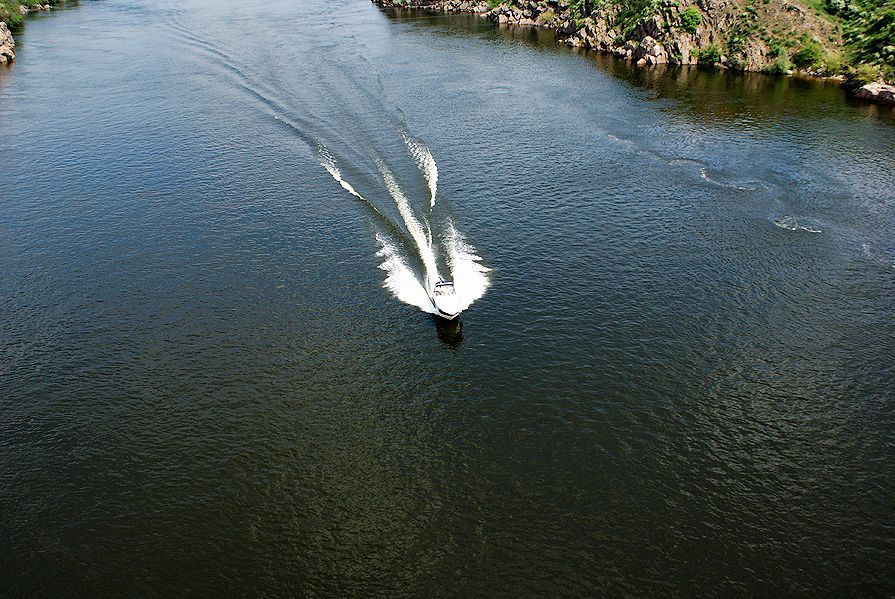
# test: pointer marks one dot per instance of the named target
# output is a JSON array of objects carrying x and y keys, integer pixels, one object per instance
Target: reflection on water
[{"x": 718, "y": 94}]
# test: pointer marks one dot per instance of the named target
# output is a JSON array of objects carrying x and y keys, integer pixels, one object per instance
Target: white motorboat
[{"x": 445, "y": 299}]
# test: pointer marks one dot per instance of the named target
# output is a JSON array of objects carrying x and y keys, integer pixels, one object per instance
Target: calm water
[{"x": 679, "y": 381}]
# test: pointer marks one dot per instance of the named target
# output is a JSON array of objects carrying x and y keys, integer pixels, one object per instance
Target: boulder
[
  {"x": 7, "y": 45},
  {"x": 651, "y": 27},
  {"x": 877, "y": 92},
  {"x": 681, "y": 51}
]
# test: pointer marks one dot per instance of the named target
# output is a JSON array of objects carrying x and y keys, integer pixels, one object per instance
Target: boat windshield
[{"x": 444, "y": 289}]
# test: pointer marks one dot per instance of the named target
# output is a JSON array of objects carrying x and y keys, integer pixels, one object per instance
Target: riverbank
[
  {"x": 774, "y": 36},
  {"x": 12, "y": 13}
]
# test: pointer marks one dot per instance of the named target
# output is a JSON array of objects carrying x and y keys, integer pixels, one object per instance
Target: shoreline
[
  {"x": 657, "y": 39},
  {"x": 19, "y": 11},
  {"x": 667, "y": 36}
]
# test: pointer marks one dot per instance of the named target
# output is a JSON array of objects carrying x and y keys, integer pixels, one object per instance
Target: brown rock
[
  {"x": 7, "y": 45},
  {"x": 877, "y": 92}
]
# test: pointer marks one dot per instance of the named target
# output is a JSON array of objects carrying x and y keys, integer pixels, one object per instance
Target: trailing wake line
[{"x": 468, "y": 273}]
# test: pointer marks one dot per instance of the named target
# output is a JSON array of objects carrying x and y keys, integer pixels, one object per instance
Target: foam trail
[
  {"x": 469, "y": 274},
  {"x": 399, "y": 278},
  {"x": 793, "y": 223},
  {"x": 426, "y": 163},
  {"x": 414, "y": 227},
  {"x": 329, "y": 163}
]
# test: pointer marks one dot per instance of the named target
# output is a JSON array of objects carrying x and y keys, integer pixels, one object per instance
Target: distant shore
[
  {"x": 726, "y": 35},
  {"x": 779, "y": 36}
]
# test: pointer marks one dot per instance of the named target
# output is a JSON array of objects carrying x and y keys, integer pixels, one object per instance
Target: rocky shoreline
[
  {"x": 673, "y": 33},
  {"x": 7, "y": 41},
  {"x": 7, "y": 45}
]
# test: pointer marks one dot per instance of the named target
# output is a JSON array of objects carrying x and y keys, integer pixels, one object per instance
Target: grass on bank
[
  {"x": 868, "y": 28},
  {"x": 870, "y": 33},
  {"x": 10, "y": 13}
]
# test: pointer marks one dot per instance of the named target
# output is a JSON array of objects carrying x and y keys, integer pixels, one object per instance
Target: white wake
[
  {"x": 425, "y": 162},
  {"x": 399, "y": 278},
  {"x": 469, "y": 274},
  {"x": 421, "y": 238},
  {"x": 467, "y": 271}
]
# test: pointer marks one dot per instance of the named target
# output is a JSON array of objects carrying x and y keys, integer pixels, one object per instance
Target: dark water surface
[{"x": 679, "y": 383}]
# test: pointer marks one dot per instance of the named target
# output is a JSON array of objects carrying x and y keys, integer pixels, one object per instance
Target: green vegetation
[
  {"x": 742, "y": 30},
  {"x": 632, "y": 12},
  {"x": 869, "y": 34},
  {"x": 810, "y": 54},
  {"x": 577, "y": 10},
  {"x": 691, "y": 18},
  {"x": 709, "y": 55},
  {"x": 781, "y": 64},
  {"x": 863, "y": 74},
  {"x": 832, "y": 64},
  {"x": 10, "y": 13}
]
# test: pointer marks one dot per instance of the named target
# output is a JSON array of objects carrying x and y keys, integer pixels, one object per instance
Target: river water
[{"x": 218, "y": 377}]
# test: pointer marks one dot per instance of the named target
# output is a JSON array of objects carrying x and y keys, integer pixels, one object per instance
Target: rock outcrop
[
  {"x": 662, "y": 35},
  {"x": 877, "y": 92},
  {"x": 751, "y": 36},
  {"x": 37, "y": 7},
  {"x": 7, "y": 45},
  {"x": 7, "y": 42}
]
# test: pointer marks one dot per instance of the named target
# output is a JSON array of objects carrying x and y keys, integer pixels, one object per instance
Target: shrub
[
  {"x": 10, "y": 15},
  {"x": 871, "y": 32},
  {"x": 841, "y": 8},
  {"x": 9, "y": 10},
  {"x": 781, "y": 64},
  {"x": 808, "y": 55},
  {"x": 832, "y": 64},
  {"x": 632, "y": 12},
  {"x": 691, "y": 18},
  {"x": 709, "y": 55},
  {"x": 863, "y": 74},
  {"x": 736, "y": 43}
]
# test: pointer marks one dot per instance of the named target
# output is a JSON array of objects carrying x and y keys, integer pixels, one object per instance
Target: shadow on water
[
  {"x": 454, "y": 24},
  {"x": 725, "y": 95},
  {"x": 717, "y": 95},
  {"x": 450, "y": 332}
]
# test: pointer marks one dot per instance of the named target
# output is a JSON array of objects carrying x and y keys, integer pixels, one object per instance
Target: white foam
[
  {"x": 791, "y": 223},
  {"x": 469, "y": 274},
  {"x": 329, "y": 163},
  {"x": 423, "y": 244},
  {"x": 400, "y": 279},
  {"x": 753, "y": 186},
  {"x": 426, "y": 163}
]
